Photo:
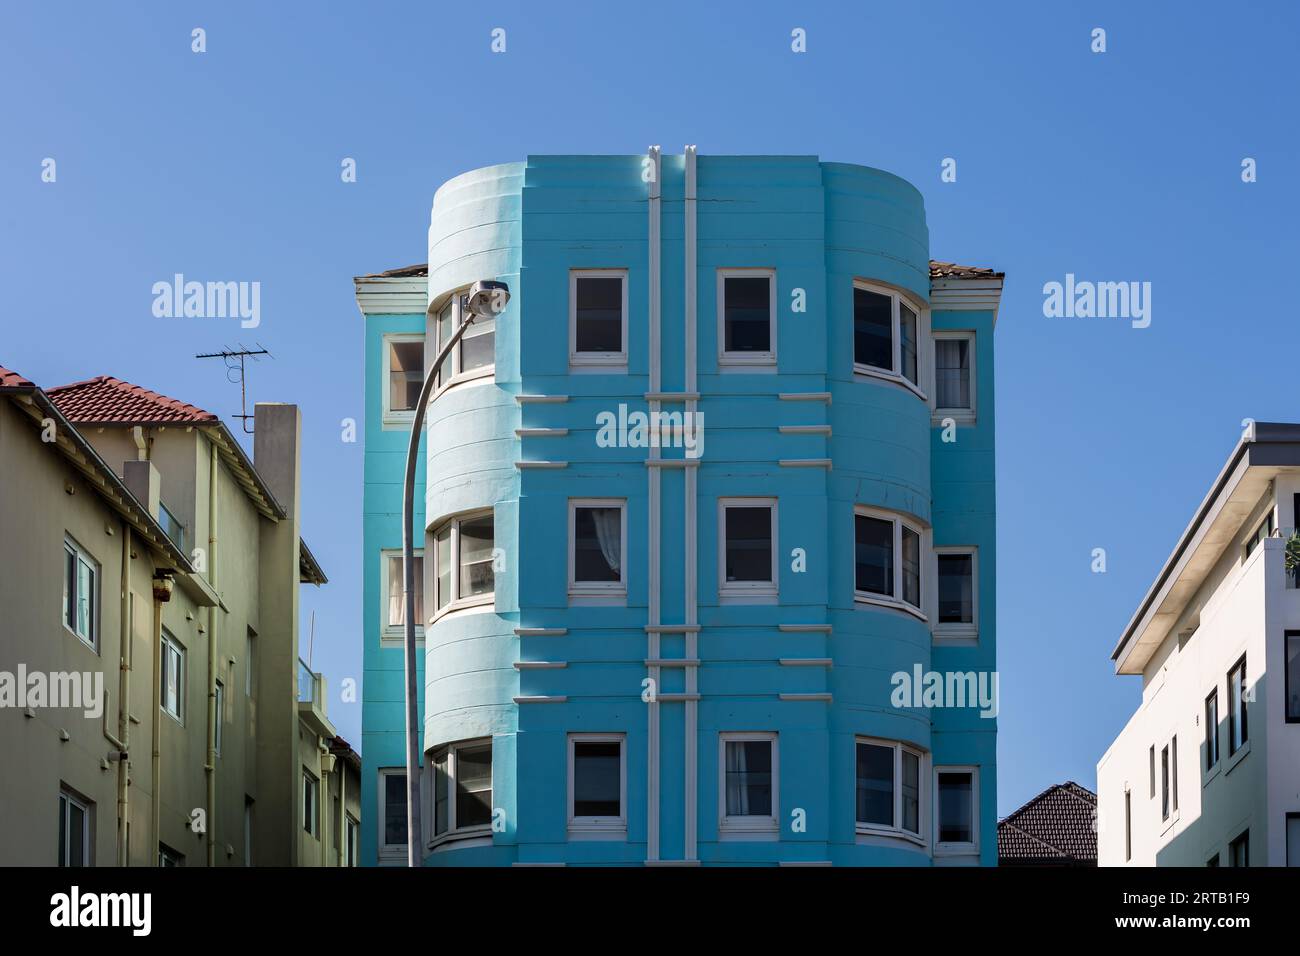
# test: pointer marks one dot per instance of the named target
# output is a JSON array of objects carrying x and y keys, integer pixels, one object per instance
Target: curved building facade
[{"x": 708, "y": 570}]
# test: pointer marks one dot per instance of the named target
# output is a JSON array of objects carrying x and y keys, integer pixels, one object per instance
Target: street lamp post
[{"x": 486, "y": 299}]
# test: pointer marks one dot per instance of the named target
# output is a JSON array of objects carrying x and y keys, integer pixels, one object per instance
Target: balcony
[
  {"x": 311, "y": 701},
  {"x": 172, "y": 526}
]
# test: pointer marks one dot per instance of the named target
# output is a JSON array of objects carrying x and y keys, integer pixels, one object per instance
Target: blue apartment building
[{"x": 708, "y": 570}]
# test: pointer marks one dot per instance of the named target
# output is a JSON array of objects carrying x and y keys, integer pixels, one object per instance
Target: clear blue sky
[{"x": 1116, "y": 166}]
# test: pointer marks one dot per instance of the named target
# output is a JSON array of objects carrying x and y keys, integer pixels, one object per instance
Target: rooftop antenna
[{"x": 234, "y": 359}]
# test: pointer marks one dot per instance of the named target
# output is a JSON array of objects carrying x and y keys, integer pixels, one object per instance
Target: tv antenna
[{"x": 234, "y": 359}]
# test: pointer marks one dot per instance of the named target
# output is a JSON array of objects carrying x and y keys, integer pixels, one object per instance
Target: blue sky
[{"x": 1115, "y": 167}]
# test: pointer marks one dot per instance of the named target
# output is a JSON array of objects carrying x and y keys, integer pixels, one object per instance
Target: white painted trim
[
  {"x": 672, "y": 662},
  {"x": 540, "y": 665},
  {"x": 805, "y": 430},
  {"x": 806, "y": 697},
  {"x": 805, "y": 397},
  {"x": 820, "y": 628},
  {"x": 804, "y": 462},
  {"x": 672, "y": 628},
  {"x": 686, "y": 463},
  {"x": 541, "y": 432},
  {"x": 395, "y": 635},
  {"x": 748, "y": 592},
  {"x": 541, "y": 465},
  {"x": 605, "y": 589},
  {"x": 966, "y": 295},
  {"x": 752, "y": 827},
  {"x": 541, "y": 399},
  {"x": 389, "y": 416},
  {"x": 746, "y": 360},
  {"x": 654, "y": 492},
  {"x": 604, "y": 361},
  {"x": 677, "y": 698},
  {"x": 614, "y": 827},
  {"x": 541, "y": 631},
  {"x": 387, "y": 852},
  {"x": 954, "y": 633},
  {"x": 958, "y": 849},
  {"x": 541, "y": 699},
  {"x": 392, "y": 295},
  {"x": 672, "y": 396},
  {"x": 806, "y": 661}
]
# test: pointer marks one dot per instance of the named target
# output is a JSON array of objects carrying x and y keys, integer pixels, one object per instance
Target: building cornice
[
  {"x": 382, "y": 295},
  {"x": 982, "y": 294}
]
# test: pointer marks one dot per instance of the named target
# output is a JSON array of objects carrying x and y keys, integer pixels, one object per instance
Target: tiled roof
[
  {"x": 10, "y": 379},
  {"x": 405, "y": 272},
  {"x": 110, "y": 400},
  {"x": 950, "y": 270},
  {"x": 1056, "y": 828}
]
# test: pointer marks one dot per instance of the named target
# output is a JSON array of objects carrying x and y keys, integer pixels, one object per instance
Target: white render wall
[{"x": 1245, "y": 607}]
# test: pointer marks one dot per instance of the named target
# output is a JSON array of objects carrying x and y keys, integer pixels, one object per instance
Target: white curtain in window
[
  {"x": 396, "y": 606},
  {"x": 737, "y": 791},
  {"x": 609, "y": 535}
]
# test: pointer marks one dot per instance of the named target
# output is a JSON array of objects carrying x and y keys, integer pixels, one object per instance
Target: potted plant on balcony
[{"x": 1293, "y": 555}]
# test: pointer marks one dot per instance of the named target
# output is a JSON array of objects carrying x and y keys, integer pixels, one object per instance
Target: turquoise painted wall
[{"x": 819, "y": 226}]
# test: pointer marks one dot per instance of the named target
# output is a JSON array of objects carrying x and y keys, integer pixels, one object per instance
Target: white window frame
[
  {"x": 311, "y": 815},
  {"x": 395, "y": 635},
  {"x": 971, "y": 848},
  {"x": 749, "y": 361},
  {"x": 250, "y": 671},
  {"x": 924, "y": 355},
  {"x": 351, "y": 839},
  {"x": 177, "y": 649},
  {"x": 395, "y": 416},
  {"x": 71, "y": 547},
  {"x": 895, "y": 600},
  {"x": 429, "y": 793},
  {"x": 220, "y": 707},
  {"x": 748, "y": 592},
  {"x": 456, "y": 603},
  {"x": 389, "y": 852},
  {"x": 610, "y": 828},
  {"x": 451, "y": 374},
  {"x": 956, "y": 633},
  {"x": 749, "y": 827},
  {"x": 962, "y": 416},
  {"x": 68, "y": 800},
  {"x": 597, "y": 592},
  {"x": 595, "y": 360},
  {"x": 896, "y": 830}
]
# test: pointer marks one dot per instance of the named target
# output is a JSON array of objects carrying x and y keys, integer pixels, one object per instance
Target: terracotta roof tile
[
  {"x": 1056, "y": 827},
  {"x": 10, "y": 379},
  {"x": 108, "y": 400},
  {"x": 950, "y": 270}
]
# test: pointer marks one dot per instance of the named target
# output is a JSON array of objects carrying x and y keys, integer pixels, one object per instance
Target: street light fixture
[{"x": 485, "y": 299}]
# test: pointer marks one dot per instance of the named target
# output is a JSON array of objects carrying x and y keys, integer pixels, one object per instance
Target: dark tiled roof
[
  {"x": 406, "y": 272},
  {"x": 950, "y": 270},
  {"x": 108, "y": 400},
  {"x": 10, "y": 379},
  {"x": 1056, "y": 828}
]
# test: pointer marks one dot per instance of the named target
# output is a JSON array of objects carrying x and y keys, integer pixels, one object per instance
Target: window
[
  {"x": 888, "y": 787},
  {"x": 394, "y": 622},
  {"x": 1293, "y": 839},
  {"x": 248, "y": 830},
  {"x": 1239, "y": 850},
  {"x": 167, "y": 857},
  {"x": 957, "y": 596},
  {"x": 221, "y": 710},
  {"x": 1128, "y": 825},
  {"x": 1151, "y": 757},
  {"x": 1173, "y": 774},
  {"x": 956, "y": 800},
  {"x": 1265, "y": 530},
  {"x": 474, "y": 356},
  {"x": 1164, "y": 783},
  {"x": 173, "y": 677},
  {"x": 598, "y": 317},
  {"x": 74, "y": 830},
  {"x": 886, "y": 329},
  {"x": 597, "y": 543},
  {"x": 80, "y": 593},
  {"x": 887, "y": 559},
  {"x": 403, "y": 376},
  {"x": 463, "y": 558},
  {"x": 462, "y": 787},
  {"x": 172, "y": 527},
  {"x": 1291, "y": 670},
  {"x": 1237, "y": 699},
  {"x": 392, "y": 814},
  {"x": 352, "y": 840},
  {"x": 1212, "y": 729},
  {"x": 250, "y": 662},
  {"x": 748, "y": 782},
  {"x": 746, "y": 317},
  {"x": 310, "y": 803},
  {"x": 597, "y": 783},
  {"x": 954, "y": 382},
  {"x": 747, "y": 549}
]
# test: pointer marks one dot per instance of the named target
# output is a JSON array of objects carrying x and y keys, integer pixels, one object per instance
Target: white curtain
[
  {"x": 609, "y": 535},
  {"x": 737, "y": 792},
  {"x": 396, "y": 606}
]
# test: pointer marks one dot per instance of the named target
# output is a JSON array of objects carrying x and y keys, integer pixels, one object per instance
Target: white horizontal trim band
[{"x": 540, "y": 631}]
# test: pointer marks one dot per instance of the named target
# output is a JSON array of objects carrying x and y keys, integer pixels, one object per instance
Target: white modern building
[{"x": 1207, "y": 772}]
